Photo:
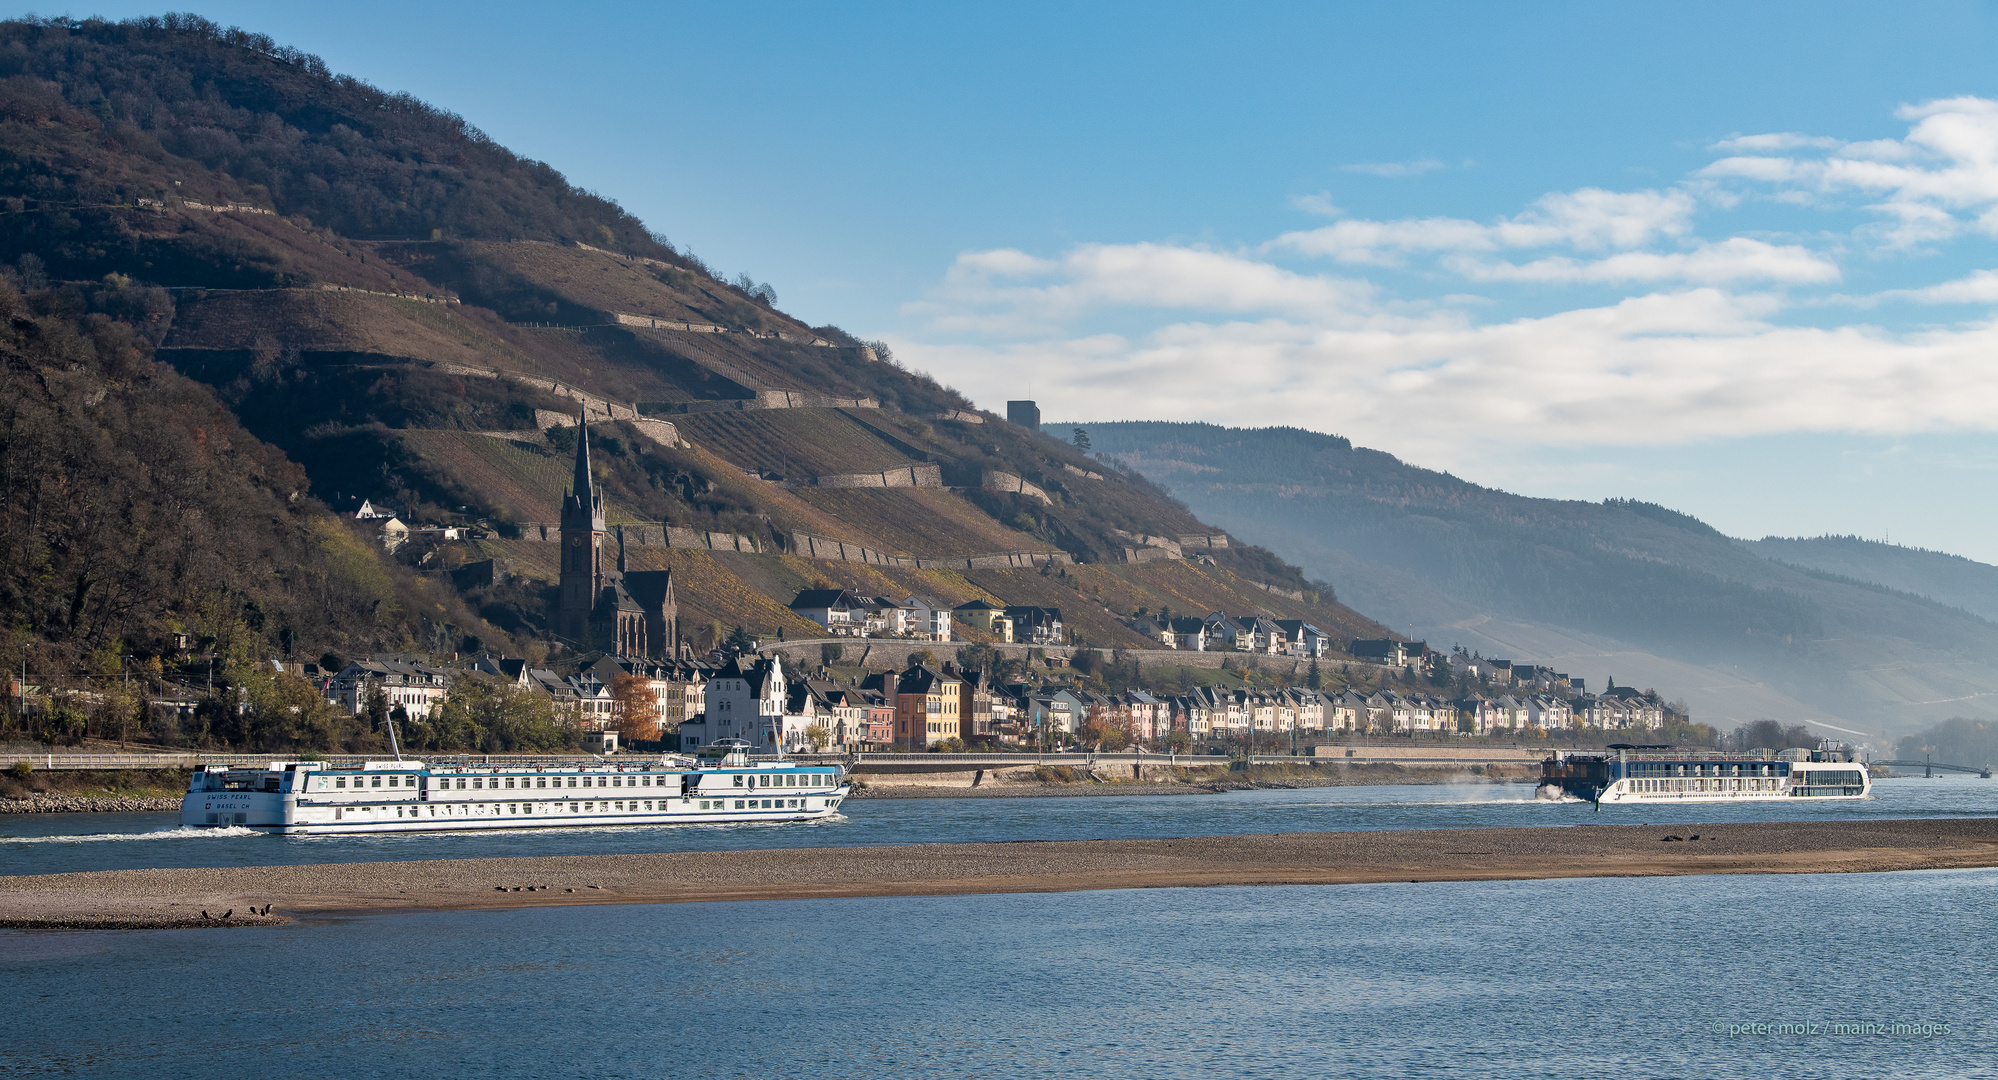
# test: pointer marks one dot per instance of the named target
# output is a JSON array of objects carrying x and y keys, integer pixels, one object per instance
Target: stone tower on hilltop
[{"x": 622, "y": 612}]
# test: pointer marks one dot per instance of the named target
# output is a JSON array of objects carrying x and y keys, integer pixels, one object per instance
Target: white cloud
[
  {"x": 1705, "y": 347},
  {"x": 1008, "y": 291},
  {"x": 1589, "y": 219},
  {"x": 1654, "y": 369},
  {"x": 1395, "y": 169},
  {"x": 1936, "y": 183},
  {"x": 1980, "y": 287},
  {"x": 1320, "y": 204},
  {"x": 1775, "y": 141},
  {"x": 1733, "y": 260}
]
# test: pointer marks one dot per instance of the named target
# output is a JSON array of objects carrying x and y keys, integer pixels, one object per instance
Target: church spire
[
  {"x": 583, "y": 508},
  {"x": 584, "y": 486}
]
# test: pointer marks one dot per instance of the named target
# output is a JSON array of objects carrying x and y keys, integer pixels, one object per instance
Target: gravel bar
[{"x": 179, "y": 897}]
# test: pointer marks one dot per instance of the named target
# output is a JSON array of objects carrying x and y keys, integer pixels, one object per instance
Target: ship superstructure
[
  {"x": 309, "y": 797},
  {"x": 1628, "y": 773}
]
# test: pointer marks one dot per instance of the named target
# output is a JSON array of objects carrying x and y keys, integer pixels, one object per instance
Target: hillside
[
  {"x": 1622, "y": 588},
  {"x": 394, "y": 308},
  {"x": 1949, "y": 579}
]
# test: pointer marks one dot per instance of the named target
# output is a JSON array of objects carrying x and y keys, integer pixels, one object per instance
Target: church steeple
[
  {"x": 584, "y": 504},
  {"x": 583, "y": 574}
]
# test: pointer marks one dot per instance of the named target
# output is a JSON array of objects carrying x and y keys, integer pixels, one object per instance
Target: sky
[{"x": 1735, "y": 259}]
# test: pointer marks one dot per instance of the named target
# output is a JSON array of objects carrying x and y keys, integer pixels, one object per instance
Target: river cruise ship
[
  {"x": 314, "y": 798},
  {"x": 1663, "y": 774}
]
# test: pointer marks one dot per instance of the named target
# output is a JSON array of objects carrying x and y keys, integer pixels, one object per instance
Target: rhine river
[{"x": 1650, "y": 977}]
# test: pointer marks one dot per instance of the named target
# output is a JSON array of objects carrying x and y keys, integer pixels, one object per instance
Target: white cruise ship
[
  {"x": 313, "y": 798},
  {"x": 1655, "y": 774}
]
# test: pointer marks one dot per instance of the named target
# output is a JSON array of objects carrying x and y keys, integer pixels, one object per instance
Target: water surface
[
  {"x": 53, "y": 843},
  {"x": 1630, "y": 977}
]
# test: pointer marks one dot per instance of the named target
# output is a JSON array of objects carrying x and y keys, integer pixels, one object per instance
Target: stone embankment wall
[
  {"x": 76, "y": 804},
  {"x": 428, "y": 298},
  {"x": 902, "y": 476},
  {"x": 594, "y": 408},
  {"x": 994, "y": 480},
  {"x": 1276, "y": 590},
  {"x": 654, "y": 322},
  {"x": 652, "y": 534},
  {"x": 818, "y": 547}
]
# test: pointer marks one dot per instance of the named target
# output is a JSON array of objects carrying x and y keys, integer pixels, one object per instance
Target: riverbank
[
  {"x": 91, "y": 804},
  {"x": 179, "y": 897},
  {"x": 115, "y": 791}
]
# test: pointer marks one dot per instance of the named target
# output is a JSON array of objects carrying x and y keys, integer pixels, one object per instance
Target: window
[
  {"x": 738, "y": 781},
  {"x": 617, "y": 781},
  {"x": 461, "y": 783},
  {"x": 509, "y": 782},
  {"x": 738, "y": 804},
  {"x": 764, "y": 780},
  {"x": 540, "y": 781},
  {"x": 341, "y": 782},
  {"x": 377, "y": 783},
  {"x": 572, "y": 781},
  {"x": 476, "y": 781}
]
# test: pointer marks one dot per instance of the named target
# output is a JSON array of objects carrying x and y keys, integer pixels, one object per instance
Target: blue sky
[{"x": 1722, "y": 257}]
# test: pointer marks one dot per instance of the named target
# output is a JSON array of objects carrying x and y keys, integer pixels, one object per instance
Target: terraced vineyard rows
[
  {"x": 792, "y": 443},
  {"x": 919, "y": 521},
  {"x": 514, "y": 482}
]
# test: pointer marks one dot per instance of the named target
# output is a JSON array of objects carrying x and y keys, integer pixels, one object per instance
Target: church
[{"x": 624, "y": 612}]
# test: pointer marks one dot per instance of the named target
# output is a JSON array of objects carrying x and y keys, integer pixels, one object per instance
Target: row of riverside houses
[
  {"x": 1217, "y": 632},
  {"x": 845, "y": 613},
  {"x": 414, "y": 691},
  {"x": 919, "y": 708},
  {"x": 759, "y": 702}
]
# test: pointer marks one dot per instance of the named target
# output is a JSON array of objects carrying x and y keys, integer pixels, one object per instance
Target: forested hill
[
  {"x": 1950, "y": 579},
  {"x": 222, "y": 257},
  {"x": 1621, "y": 587}
]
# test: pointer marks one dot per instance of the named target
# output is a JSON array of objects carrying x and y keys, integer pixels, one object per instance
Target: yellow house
[
  {"x": 987, "y": 617},
  {"x": 927, "y": 708}
]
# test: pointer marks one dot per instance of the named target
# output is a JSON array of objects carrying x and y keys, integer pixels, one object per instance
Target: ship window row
[
  {"x": 1651, "y": 769},
  {"x": 1751, "y": 784},
  {"x": 754, "y": 804},
  {"x": 781, "y": 779},
  {"x": 497, "y": 783}
]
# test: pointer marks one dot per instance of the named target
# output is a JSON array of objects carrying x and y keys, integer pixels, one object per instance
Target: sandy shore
[{"x": 158, "y": 898}]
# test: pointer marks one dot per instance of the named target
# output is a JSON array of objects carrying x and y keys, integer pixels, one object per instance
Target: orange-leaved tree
[{"x": 634, "y": 711}]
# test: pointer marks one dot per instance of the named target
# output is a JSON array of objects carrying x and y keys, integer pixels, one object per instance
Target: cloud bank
[{"x": 1652, "y": 322}]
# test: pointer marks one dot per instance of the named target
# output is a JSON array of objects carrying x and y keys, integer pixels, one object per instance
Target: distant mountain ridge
[
  {"x": 1942, "y": 577},
  {"x": 1622, "y": 588}
]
